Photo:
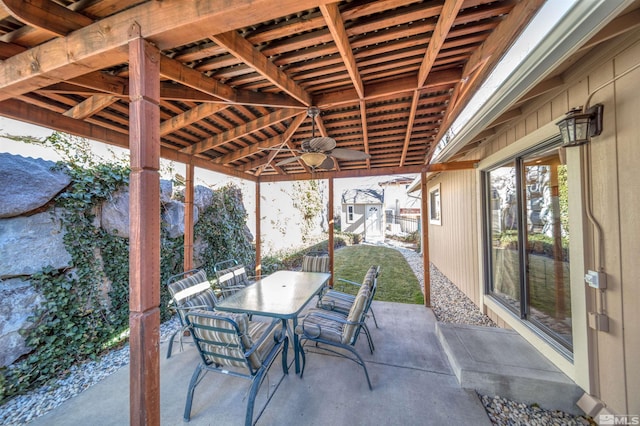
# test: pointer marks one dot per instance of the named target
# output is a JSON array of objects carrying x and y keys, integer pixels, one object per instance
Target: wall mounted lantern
[{"x": 579, "y": 126}]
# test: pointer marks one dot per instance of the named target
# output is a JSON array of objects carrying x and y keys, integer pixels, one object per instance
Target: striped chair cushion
[
  {"x": 321, "y": 325},
  {"x": 193, "y": 291},
  {"x": 226, "y": 278},
  {"x": 355, "y": 315},
  {"x": 370, "y": 276},
  {"x": 223, "y": 345},
  {"x": 234, "y": 276},
  {"x": 335, "y": 301},
  {"x": 315, "y": 264},
  {"x": 241, "y": 277}
]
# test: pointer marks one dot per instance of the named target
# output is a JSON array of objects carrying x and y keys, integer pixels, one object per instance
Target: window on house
[
  {"x": 434, "y": 205},
  {"x": 527, "y": 229},
  {"x": 350, "y": 214}
]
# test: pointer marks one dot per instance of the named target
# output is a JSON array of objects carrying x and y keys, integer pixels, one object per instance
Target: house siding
[
  {"x": 605, "y": 362},
  {"x": 455, "y": 242}
]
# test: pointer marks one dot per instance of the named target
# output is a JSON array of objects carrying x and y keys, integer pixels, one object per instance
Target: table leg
[
  {"x": 293, "y": 337},
  {"x": 296, "y": 345}
]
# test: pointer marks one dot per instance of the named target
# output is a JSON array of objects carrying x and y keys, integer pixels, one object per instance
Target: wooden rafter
[
  {"x": 240, "y": 131},
  {"x": 365, "y": 131},
  {"x": 412, "y": 117},
  {"x": 486, "y": 56},
  {"x": 275, "y": 141},
  {"x": 383, "y": 73},
  {"x": 447, "y": 17},
  {"x": 87, "y": 49},
  {"x": 244, "y": 50},
  {"x": 335, "y": 23},
  {"x": 190, "y": 116},
  {"x": 90, "y": 106},
  {"x": 46, "y": 15}
]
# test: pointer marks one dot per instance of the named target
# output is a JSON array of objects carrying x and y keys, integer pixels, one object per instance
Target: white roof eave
[{"x": 579, "y": 24}]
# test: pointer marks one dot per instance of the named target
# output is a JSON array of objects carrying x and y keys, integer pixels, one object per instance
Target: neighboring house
[
  {"x": 518, "y": 232},
  {"x": 401, "y": 209},
  {"x": 362, "y": 213}
]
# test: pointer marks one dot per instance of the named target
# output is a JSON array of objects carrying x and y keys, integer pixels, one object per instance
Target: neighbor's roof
[
  {"x": 362, "y": 196},
  {"x": 236, "y": 81}
]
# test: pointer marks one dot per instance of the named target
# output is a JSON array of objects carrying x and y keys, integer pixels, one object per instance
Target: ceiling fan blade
[
  {"x": 320, "y": 144},
  {"x": 327, "y": 164},
  {"x": 349, "y": 154},
  {"x": 287, "y": 161}
]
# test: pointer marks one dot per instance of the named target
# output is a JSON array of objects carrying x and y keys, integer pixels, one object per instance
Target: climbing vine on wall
[
  {"x": 222, "y": 228},
  {"x": 307, "y": 197},
  {"x": 86, "y": 308}
]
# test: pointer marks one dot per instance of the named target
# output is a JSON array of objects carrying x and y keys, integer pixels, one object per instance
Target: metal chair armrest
[{"x": 278, "y": 337}]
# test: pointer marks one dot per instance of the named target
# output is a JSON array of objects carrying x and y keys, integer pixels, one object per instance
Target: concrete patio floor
[{"x": 413, "y": 384}]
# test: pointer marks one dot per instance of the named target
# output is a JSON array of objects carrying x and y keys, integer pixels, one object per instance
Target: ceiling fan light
[{"x": 313, "y": 159}]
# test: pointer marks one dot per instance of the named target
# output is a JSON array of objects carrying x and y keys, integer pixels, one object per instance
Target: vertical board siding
[
  {"x": 615, "y": 156},
  {"x": 606, "y": 208},
  {"x": 627, "y": 89},
  {"x": 453, "y": 244}
]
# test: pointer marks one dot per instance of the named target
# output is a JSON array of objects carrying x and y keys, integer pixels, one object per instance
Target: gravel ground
[
  {"x": 449, "y": 305},
  {"x": 24, "y": 408}
]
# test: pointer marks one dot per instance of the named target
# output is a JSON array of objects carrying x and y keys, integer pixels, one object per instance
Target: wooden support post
[
  {"x": 258, "y": 231},
  {"x": 425, "y": 239},
  {"x": 144, "y": 229},
  {"x": 188, "y": 218},
  {"x": 331, "y": 225}
]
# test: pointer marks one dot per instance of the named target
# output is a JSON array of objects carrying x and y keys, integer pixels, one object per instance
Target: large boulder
[
  {"x": 202, "y": 197},
  {"x": 30, "y": 243},
  {"x": 166, "y": 190},
  {"x": 173, "y": 218},
  {"x": 114, "y": 217},
  {"x": 27, "y": 184},
  {"x": 18, "y": 302}
]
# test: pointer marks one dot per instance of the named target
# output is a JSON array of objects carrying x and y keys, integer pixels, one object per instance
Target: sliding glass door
[{"x": 528, "y": 240}]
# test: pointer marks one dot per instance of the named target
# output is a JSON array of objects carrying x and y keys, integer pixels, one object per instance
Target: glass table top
[{"x": 282, "y": 294}]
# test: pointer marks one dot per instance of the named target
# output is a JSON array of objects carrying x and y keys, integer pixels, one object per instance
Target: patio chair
[
  {"x": 232, "y": 276},
  {"x": 189, "y": 290},
  {"x": 230, "y": 344},
  {"x": 330, "y": 329},
  {"x": 315, "y": 261},
  {"x": 339, "y": 301}
]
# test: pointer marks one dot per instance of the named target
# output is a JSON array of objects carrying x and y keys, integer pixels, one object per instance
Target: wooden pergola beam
[
  {"x": 46, "y": 15},
  {"x": 246, "y": 52},
  {"x": 90, "y": 106},
  {"x": 484, "y": 59},
  {"x": 104, "y": 44},
  {"x": 365, "y": 130},
  {"x": 240, "y": 131},
  {"x": 448, "y": 15},
  {"x": 336, "y": 27},
  {"x": 387, "y": 88},
  {"x": 190, "y": 116},
  {"x": 452, "y": 165},
  {"x": 29, "y": 113},
  {"x": 278, "y": 140},
  {"x": 412, "y": 117}
]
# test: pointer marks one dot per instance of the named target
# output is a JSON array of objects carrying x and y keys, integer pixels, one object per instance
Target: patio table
[{"x": 283, "y": 295}]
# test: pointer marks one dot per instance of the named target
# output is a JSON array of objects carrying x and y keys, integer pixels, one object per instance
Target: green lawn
[{"x": 396, "y": 282}]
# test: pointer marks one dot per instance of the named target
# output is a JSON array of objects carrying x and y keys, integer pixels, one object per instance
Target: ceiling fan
[{"x": 319, "y": 152}]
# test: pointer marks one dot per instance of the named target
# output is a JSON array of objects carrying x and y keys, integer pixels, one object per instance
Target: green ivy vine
[
  {"x": 222, "y": 227},
  {"x": 86, "y": 308}
]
